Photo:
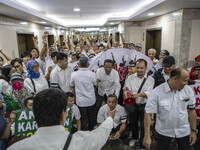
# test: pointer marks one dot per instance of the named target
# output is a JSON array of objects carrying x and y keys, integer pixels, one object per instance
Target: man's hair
[
  {"x": 142, "y": 60},
  {"x": 16, "y": 60},
  {"x": 69, "y": 94},
  {"x": 112, "y": 95},
  {"x": 61, "y": 56},
  {"x": 108, "y": 61},
  {"x": 1, "y": 58},
  {"x": 176, "y": 72},
  {"x": 53, "y": 54},
  {"x": 26, "y": 100},
  {"x": 77, "y": 55},
  {"x": 83, "y": 61},
  {"x": 25, "y": 54},
  {"x": 48, "y": 106}
]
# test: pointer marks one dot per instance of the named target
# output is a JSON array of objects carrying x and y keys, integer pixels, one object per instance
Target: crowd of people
[{"x": 43, "y": 79}]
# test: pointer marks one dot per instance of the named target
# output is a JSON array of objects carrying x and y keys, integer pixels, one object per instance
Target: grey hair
[
  {"x": 152, "y": 49},
  {"x": 83, "y": 61}
]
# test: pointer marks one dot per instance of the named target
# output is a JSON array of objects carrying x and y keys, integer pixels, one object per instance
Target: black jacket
[{"x": 158, "y": 77}]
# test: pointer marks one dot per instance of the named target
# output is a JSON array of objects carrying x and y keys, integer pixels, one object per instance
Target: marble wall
[{"x": 176, "y": 28}]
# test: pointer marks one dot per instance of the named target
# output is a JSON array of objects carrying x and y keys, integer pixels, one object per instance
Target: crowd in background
[{"x": 88, "y": 93}]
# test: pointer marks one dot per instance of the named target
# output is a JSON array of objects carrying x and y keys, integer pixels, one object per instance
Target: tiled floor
[{"x": 123, "y": 145}]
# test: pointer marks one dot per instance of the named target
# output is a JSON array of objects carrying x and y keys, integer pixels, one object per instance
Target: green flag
[
  {"x": 25, "y": 123},
  {"x": 68, "y": 122}
]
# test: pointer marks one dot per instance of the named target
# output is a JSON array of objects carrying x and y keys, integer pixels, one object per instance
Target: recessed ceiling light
[
  {"x": 24, "y": 23},
  {"x": 76, "y": 9},
  {"x": 43, "y": 22},
  {"x": 151, "y": 14},
  {"x": 176, "y": 14},
  {"x": 46, "y": 27},
  {"x": 111, "y": 23},
  {"x": 59, "y": 27}
]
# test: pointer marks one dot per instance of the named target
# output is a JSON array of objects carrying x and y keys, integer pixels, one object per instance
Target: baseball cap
[
  {"x": 168, "y": 61},
  {"x": 138, "y": 45},
  {"x": 198, "y": 57},
  {"x": 52, "y": 48},
  {"x": 166, "y": 52}
]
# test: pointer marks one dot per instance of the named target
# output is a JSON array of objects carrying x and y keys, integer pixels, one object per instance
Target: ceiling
[{"x": 92, "y": 12}]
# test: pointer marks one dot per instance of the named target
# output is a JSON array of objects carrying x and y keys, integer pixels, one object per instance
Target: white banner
[
  {"x": 196, "y": 89},
  {"x": 121, "y": 57}
]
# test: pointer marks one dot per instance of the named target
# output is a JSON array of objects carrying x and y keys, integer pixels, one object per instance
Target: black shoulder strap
[
  {"x": 139, "y": 90},
  {"x": 33, "y": 85},
  {"x": 68, "y": 142}
]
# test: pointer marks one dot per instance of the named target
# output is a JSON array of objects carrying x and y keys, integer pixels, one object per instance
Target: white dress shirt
[
  {"x": 4, "y": 86},
  {"x": 54, "y": 138},
  {"x": 171, "y": 108},
  {"x": 76, "y": 113},
  {"x": 133, "y": 83},
  {"x": 40, "y": 84},
  {"x": 61, "y": 78},
  {"x": 120, "y": 115},
  {"x": 109, "y": 83},
  {"x": 84, "y": 82}
]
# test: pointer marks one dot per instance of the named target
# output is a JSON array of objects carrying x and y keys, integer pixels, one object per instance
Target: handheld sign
[
  {"x": 68, "y": 122},
  {"x": 25, "y": 123},
  {"x": 196, "y": 89}
]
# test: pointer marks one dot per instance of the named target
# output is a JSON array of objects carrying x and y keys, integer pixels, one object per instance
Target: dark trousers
[
  {"x": 125, "y": 134},
  {"x": 135, "y": 117},
  {"x": 99, "y": 101},
  {"x": 88, "y": 117},
  {"x": 163, "y": 142}
]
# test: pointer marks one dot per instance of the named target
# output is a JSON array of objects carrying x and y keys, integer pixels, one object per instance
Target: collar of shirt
[
  {"x": 135, "y": 75},
  {"x": 59, "y": 69},
  {"x": 83, "y": 69},
  {"x": 50, "y": 129}
]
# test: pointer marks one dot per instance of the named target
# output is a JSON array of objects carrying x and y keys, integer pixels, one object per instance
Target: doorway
[
  {"x": 25, "y": 42},
  {"x": 61, "y": 40},
  {"x": 153, "y": 40},
  {"x": 50, "y": 40},
  {"x": 117, "y": 37}
]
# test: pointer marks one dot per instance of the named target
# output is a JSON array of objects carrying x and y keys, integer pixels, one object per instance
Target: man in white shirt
[
  {"x": 50, "y": 112},
  {"x": 61, "y": 74},
  {"x": 120, "y": 129},
  {"x": 174, "y": 103},
  {"x": 84, "y": 82},
  {"x": 108, "y": 82},
  {"x": 133, "y": 83}
]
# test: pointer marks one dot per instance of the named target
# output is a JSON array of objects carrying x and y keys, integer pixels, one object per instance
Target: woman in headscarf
[
  {"x": 35, "y": 80},
  {"x": 16, "y": 94},
  {"x": 195, "y": 71}
]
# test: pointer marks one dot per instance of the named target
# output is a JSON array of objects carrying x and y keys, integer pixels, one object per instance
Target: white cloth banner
[
  {"x": 196, "y": 89},
  {"x": 121, "y": 57}
]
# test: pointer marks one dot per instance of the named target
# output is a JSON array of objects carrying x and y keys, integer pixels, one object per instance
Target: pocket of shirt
[{"x": 164, "y": 106}]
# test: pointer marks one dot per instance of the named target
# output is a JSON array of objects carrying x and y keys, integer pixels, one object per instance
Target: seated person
[
  {"x": 75, "y": 111},
  {"x": 120, "y": 129},
  {"x": 195, "y": 71}
]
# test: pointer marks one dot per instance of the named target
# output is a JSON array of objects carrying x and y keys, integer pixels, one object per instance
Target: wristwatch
[{"x": 193, "y": 130}]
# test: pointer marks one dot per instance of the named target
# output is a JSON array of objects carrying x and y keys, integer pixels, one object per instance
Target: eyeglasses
[{"x": 35, "y": 67}]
